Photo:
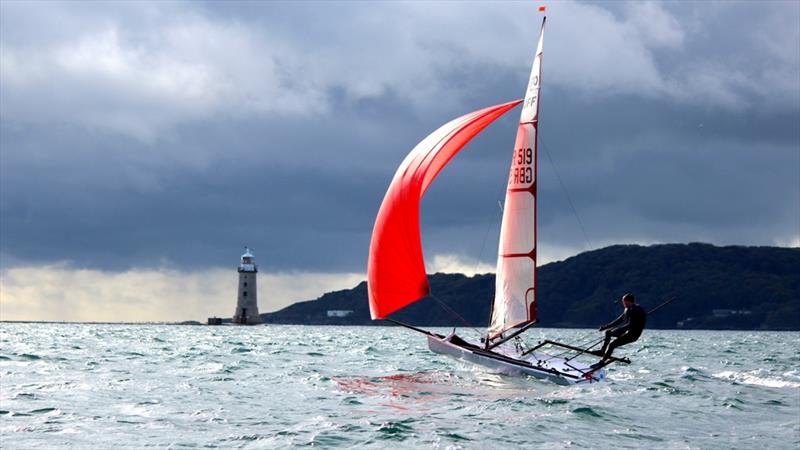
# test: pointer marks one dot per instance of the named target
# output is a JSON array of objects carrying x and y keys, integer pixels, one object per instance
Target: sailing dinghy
[{"x": 396, "y": 269}]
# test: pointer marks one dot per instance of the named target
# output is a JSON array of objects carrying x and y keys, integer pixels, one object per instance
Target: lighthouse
[{"x": 247, "y": 301}]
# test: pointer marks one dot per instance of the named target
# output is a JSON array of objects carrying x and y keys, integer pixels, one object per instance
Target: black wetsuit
[{"x": 634, "y": 319}]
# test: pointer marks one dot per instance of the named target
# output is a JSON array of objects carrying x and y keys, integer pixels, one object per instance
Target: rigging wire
[
  {"x": 450, "y": 310},
  {"x": 447, "y": 307},
  {"x": 483, "y": 247},
  {"x": 569, "y": 198},
  {"x": 486, "y": 237}
]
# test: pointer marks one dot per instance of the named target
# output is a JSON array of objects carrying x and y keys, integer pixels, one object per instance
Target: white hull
[{"x": 505, "y": 360}]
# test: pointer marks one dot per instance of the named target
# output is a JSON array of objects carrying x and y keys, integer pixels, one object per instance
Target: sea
[{"x": 114, "y": 386}]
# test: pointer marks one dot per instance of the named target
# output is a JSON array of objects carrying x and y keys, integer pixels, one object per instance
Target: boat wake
[{"x": 433, "y": 386}]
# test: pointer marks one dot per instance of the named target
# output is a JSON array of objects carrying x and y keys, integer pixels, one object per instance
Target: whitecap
[{"x": 755, "y": 378}]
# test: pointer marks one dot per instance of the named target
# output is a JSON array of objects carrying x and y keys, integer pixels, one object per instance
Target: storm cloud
[{"x": 157, "y": 136}]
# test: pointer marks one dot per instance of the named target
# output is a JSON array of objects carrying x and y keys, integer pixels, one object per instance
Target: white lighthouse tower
[{"x": 247, "y": 300}]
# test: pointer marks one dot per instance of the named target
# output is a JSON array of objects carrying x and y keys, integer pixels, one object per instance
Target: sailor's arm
[{"x": 616, "y": 322}]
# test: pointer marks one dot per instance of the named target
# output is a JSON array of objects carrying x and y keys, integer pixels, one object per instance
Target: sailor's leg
[
  {"x": 609, "y": 348},
  {"x": 606, "y": 341},
  {"x": 626, "y": 338},
  {"x": 614, "y": 332}
]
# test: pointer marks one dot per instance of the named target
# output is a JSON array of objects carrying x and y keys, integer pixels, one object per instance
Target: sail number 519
[
  {"x": 524, "y": 156},
  {"x": 524, "y": 174}
]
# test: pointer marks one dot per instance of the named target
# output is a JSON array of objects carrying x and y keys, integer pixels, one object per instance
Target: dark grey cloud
[{"x": 152, "y": 134}]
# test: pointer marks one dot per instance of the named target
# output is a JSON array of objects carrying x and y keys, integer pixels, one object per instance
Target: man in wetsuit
[{"x": 632, "y": 319}]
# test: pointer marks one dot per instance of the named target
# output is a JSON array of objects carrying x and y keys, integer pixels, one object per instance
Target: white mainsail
[{"x": 515, "y": 286}]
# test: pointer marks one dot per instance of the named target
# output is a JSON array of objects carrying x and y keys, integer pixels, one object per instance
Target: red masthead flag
[{"x": 541, "y": 9}]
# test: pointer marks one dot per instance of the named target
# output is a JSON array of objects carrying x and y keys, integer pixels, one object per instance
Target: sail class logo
[{"x": 533, "y": 83}]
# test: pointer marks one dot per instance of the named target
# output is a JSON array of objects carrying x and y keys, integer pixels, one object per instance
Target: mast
[
  {"x": 515, "y": 288},
  {"x": 536, "y": 164}
]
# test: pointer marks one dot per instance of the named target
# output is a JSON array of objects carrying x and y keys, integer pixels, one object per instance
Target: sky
[{"x": 144, "y": 144}]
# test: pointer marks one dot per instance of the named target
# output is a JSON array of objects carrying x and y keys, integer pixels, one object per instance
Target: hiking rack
[{"x": 577, "y": 349}]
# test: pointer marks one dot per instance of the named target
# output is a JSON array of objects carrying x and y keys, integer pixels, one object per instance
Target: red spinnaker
[{"x": 396, "y": 270}]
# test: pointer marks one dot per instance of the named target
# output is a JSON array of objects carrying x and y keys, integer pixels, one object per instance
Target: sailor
[{"x": 632, "y": 319}]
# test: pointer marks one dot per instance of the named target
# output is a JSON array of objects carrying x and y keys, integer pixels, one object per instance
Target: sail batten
[
  {"x": 515, "y": 281},
  {"x": 396, "y": 269}
]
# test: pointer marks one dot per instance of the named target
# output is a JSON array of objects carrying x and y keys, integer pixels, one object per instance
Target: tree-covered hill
[{"x": 731, "y": 287}]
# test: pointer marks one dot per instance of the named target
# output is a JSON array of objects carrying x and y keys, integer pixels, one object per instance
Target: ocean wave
[
  {"x": 373, "y": 387},
  {"x": 756, "y": 377}
]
